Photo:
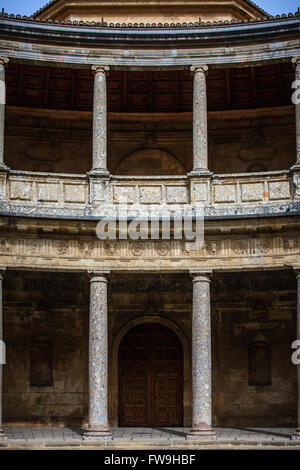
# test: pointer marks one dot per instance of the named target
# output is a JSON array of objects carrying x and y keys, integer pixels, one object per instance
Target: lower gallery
[{"x": 46, "y": 324}]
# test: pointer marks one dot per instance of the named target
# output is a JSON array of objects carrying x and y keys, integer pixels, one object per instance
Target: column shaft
[
  {"x": 296, "y": 435},
  {"x": 3, "y": 61},
  {"x": 100, "y": 121},
  {"x": 200, "y": 151},
  {"x": 201, "y": 358},
  {"x": 98, "y": 415},
  {"x": 2, "y": 434}
]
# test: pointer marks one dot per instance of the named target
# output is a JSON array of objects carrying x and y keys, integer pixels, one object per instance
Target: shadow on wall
[{"x": 149, "y": 162}]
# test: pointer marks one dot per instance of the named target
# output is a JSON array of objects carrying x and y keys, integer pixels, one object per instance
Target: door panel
[{"x": 150, "y": 377}]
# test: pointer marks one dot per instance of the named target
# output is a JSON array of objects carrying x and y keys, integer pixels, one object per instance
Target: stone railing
[
  {"x": 64, "y": 194},
  {"x": 42, "y": 188}
]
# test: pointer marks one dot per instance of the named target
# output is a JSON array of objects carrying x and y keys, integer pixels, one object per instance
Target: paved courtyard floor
[{"x": 74, "y": 435}]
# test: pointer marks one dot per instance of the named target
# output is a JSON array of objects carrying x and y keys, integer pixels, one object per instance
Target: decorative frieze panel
[
  {"x": 29, "y": 188},
  {"x": 252, "y": 192},
  {"x": 218, "y": 252},
  {"x": 279, "y": 190},
  {"x": 150, "y": 195},
  {"x": 225, "y": 193}
]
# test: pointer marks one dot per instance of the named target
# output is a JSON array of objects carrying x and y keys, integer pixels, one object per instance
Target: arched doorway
[{"x": 150, "y": 377}]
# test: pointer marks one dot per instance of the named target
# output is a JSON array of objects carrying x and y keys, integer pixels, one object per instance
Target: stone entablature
[
  {"x": 91, "y": 45},
  {"x": 64, "y": 195},
  {"x": 40, "y": 244}
]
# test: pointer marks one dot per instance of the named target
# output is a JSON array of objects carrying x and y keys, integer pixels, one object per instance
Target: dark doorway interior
[{"x": 150, "y": 377}]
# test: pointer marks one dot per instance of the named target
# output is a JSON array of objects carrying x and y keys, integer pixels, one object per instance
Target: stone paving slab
[{"x": 71, "y": 437}]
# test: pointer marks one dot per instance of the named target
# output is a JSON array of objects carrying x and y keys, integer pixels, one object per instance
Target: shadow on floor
[
  {"x": 261, "y": 431},
  {"x": 174, "y": 432}
]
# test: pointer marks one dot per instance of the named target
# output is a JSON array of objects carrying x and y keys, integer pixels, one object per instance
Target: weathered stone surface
[
  {"x": 201, "y": 358},
  {"x": 3, "y": 61},
  {"x": 100, "y": 120},
  {"x": 199, "y": 120},
  {"x": 57, "y": 304},
  {"x": 2, "y": 433},
  {"x": 296, "y": 435},
  {"x": 98, "y": 360}
]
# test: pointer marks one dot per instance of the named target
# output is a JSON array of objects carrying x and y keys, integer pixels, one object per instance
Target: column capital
[
  {"x": 202, "y": 275},
  {"x": 98, "y": 276},
  {"x": 2, "y": 273},
  {"x": 4, "y": 60},
  {"x": 297, "y": 271},
  {"x": 296, "y": 60},
  {"x": 199, "y": 68},
  {"x": 100, "y": 68}
]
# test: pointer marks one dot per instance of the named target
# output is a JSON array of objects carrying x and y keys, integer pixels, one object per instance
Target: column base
[
  {"x": 97, "y": 434},
  {"x": 99, "y": 172},
  {"x": 200, "y": 172},
  {"x": 295, "y": 167},
  {"x": 296, "y": 435},
  {"x": 3, "y": 167},
  {"x": 3, "y": 436},
  {"x": 203, "y": 433}
]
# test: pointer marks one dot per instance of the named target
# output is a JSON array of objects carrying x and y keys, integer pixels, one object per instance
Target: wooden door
[{"x": 150, "y": 377}]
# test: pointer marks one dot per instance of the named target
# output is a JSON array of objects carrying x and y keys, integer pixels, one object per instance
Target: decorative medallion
[
  {"x": 5, "y": 245},
  {"x": 86, "y": 248},
  {"x": 163, "y": 248},
  {"x": 136, "y": 248},
  {"x": 61, "y": 247}
]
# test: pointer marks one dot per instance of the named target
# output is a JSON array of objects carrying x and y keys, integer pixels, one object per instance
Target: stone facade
[
  {"x": 61, "y": 317},
  {"x": 70, "y": 297}
]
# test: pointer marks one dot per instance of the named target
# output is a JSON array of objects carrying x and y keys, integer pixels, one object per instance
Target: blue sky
[{"x": 22, "y": 7}]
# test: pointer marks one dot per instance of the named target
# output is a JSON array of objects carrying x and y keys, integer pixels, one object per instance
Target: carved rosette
[
  {"x": 5, "y": 245},
  {"x": 110, "y": 248},
  {"x": 136, "y": 248},
  {"x": 86, "y": 248},
  {"x": 61, "y": 247},
  {"x": 163, "y": 248}
]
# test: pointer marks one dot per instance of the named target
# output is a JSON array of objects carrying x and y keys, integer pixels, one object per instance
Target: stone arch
[
  {"x": 113, "y": 372},
  {"x": 150, "y": 162}
]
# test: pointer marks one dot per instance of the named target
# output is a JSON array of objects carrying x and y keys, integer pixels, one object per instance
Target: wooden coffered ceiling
[{"x": 156, "y": 91}]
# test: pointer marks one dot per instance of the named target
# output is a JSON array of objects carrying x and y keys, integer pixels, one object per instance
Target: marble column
[
  {"x": 200, "y": 150},
  {"x": 296, "y": 435},
  {"x": 2, "y": 434},
  {"x": 98, "y": 415},
  {"x": 100, "y": 121},
  {"x": 296, "y": 61},
  {"x": 201, "y": 358},
  {"x": 3, "y": 62}
]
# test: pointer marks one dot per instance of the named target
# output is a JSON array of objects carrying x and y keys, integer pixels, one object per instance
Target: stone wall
[
  {"x": 52, "y": 309},
  {"x": 61, "y": 141}
]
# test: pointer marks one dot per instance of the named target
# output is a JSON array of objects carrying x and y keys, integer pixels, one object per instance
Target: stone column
[
  {"x": 3, "y": 61},
  {"x": 99, "y": 121},
  {"x": 296, "y": 61},
  {"x": 200, "y": 152},
  {"x": 201, "y": 358},
  {"x": 98, "y": 415},
  {"x": 296, "y": 435},
  {"x": 2, "y": 434}
]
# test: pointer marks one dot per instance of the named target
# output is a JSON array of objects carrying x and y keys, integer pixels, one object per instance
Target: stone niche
[{"x": 49, "y": 312}]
